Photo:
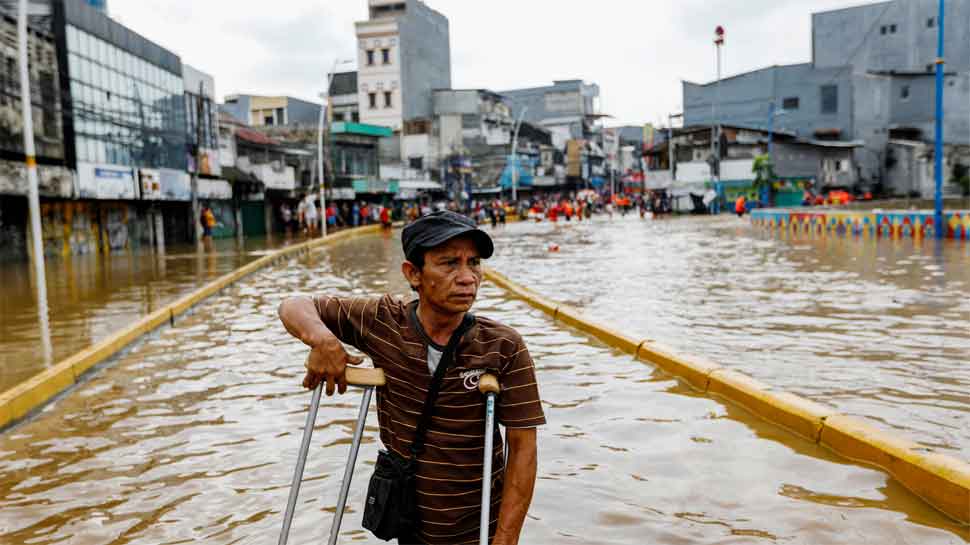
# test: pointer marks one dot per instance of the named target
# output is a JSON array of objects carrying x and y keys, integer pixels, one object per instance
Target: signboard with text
[{"x": 101, "y": 181}]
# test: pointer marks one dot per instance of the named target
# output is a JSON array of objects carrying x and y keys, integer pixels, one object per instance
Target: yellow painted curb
[
  {"x": 694, "y": 371},
  {"x": 941, "y": 480},
  {"x": 537, "y": 301},
  {"x": 799, "y": 415},
  {"x": 571, "y": 316},
  {"x": 20, "y": 400}
]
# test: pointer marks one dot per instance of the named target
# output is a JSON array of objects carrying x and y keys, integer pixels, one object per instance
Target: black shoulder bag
[{"x": 391, "y": 510}]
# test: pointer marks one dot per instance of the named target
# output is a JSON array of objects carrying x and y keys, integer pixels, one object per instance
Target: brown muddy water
[
  {"x": 874, "y": 328},
  {"x": 192, "y": 434},
  {"x": 92, "y": 296}
]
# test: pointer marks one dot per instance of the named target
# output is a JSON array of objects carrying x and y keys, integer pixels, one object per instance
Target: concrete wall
[
  {"x": 745, "y": 100},
  {"x": 425, "y": 58},
  {"x": 238, "y": 108},
  {"x": 301, "y": 112},
  {"x": 856, "y": 36},
  {"x": 559, "y": 107}
]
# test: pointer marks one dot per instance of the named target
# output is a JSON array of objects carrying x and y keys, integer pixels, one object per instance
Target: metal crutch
[
  {"x": 366, "y": 378},
  {"x": 487, "y": 385}
]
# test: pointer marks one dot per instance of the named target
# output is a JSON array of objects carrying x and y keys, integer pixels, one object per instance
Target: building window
[
  {"x": 387, "y": 99},
  {"x": 372, "y": 100},
  {"x": 416, "y": 162},
  {"x": 267, "y": 120},
  {"x": 931, "y": 22},
  {"x": 892, "y": 29},
  {"x": 790, "y": 103},
  {"x": 386, "y": 56},
  {"x": 883, "y": 29},
  {"x": 904, "y": 92},
  {"x": 280, "y": 116},
  {"x": 355, "y": 117},
  {"x": 370, "y": 57},
  {"x": 830, "y": 99}
]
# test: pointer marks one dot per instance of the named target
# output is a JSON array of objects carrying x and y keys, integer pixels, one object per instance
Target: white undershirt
[{"x": 434, "y": 357}]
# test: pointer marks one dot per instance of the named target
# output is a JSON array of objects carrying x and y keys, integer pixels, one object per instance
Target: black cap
[{"x": 439, "y": 227}]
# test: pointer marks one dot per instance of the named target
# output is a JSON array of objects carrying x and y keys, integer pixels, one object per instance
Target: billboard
[{"x": 102, "y": 181}]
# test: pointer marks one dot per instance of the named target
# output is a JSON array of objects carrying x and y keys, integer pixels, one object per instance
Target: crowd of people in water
[
  {"x": 553, "y": 206},
  {"x": 303, "y": 218}
]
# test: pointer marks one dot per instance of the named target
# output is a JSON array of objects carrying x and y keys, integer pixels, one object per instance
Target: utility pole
[
  {"x": 197, "y": 231},
  {"x": 323, "y": 144},
  {"x": 33, "y": 190},
  {"x": 938, "y": 226},
  {"x": 715, "y": 107},
  {"x": 515, "y": 147}
]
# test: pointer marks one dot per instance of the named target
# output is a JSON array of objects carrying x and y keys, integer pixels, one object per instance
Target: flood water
[
  {"x": 192, "y": 434},
  {"x": 92, "y": 296},
  {"x": 874, "y": 328}
]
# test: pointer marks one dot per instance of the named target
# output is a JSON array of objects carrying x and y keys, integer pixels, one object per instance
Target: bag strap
[{"x": 417, "y": 446}]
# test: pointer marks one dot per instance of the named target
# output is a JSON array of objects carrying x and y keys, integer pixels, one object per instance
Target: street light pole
[
  {"x": 715, "y": 107},
  {"x": 324, "y": 125},
  {"x": 515, "y": 147},
  {"x": 33, "y": 190},
  {"x": 938, "y": 151}
]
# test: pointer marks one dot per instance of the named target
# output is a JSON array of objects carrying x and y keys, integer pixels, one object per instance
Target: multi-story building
[
  {"x": 55, "y": 179},
  {"x": 343, "y": 97},
  {"x": 265, "y": 111},
  {"x": 124, "y": 131},
  {"x": 567, "y": 108},
  {"x": 871, "y": 78},
  {"x": 403, "y": 53}
]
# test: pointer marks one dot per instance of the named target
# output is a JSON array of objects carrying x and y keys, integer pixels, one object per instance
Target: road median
[
  {"x": 940, "y": 480},
  {"x": 32, "y": 394}
]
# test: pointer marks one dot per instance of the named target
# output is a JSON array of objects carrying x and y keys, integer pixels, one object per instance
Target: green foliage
[
  {"x": 764, "y": 172},
  {"x": 961, "y": 175}
]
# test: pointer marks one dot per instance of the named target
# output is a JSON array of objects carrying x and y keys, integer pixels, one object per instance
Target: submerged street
[{"x": 192, "y": 434}]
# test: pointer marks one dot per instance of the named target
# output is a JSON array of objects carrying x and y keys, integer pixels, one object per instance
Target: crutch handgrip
[
  {"x": 364, "y": 376},
  {"x": 488, "y": 384}
]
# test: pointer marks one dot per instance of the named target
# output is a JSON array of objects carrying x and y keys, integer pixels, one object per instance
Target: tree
[
  {"x": 764, "y": 177},
  {"x": 961, "y": 175}
]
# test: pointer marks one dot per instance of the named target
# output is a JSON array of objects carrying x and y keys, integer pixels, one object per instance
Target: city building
[
  {"x": 202, "y": 151},
  {"x": 124, "y": 130},
  {"x": 343, "y": 97},
  {"x": 403, "y": 53},
  {"x": 472, "y": 126},
  {"x": 260, "y": 111},
  {"x": 56, "y": 180},
  {"x": 567, "y": 108},
  {"x": 871, "y": 78},
  {"x": 799, "y": 164}
]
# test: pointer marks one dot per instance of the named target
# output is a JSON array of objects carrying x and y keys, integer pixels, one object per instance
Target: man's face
[{"x": 450, "y": 277}]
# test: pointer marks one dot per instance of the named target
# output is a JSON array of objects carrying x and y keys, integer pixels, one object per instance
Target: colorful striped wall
[{"x": 872, "y": 223}]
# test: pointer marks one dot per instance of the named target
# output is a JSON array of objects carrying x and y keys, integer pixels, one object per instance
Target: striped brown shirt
[{"x": 449, "y": 472}]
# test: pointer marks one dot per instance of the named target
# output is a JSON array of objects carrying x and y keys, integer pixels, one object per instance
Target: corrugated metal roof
[{"x": 255, "y": 137}]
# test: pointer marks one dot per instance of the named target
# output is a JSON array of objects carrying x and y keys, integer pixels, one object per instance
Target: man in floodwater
[{"x": 443, "y": 254}]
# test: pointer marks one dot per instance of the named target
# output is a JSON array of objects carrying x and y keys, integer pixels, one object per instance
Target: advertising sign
[
  {"x": 210, "y": 162},
  {"x": 341, "y": 193},
  {"x": 99, "y": 181},
  {"x": 214, "y": 189},
  {"x": 175, "y": 185},
  {"x": 151, "y": 185}
]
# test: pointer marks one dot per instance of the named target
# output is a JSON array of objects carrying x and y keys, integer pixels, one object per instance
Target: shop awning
[{"x": 419, "y": 185}]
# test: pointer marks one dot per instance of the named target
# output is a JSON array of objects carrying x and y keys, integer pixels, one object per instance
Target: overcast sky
[{"x": 637, "y": 51}]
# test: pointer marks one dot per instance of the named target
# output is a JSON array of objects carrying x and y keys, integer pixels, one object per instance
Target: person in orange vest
[
  {"x": 739, "y": 205},
  {"x": 208, "y": 220}
]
